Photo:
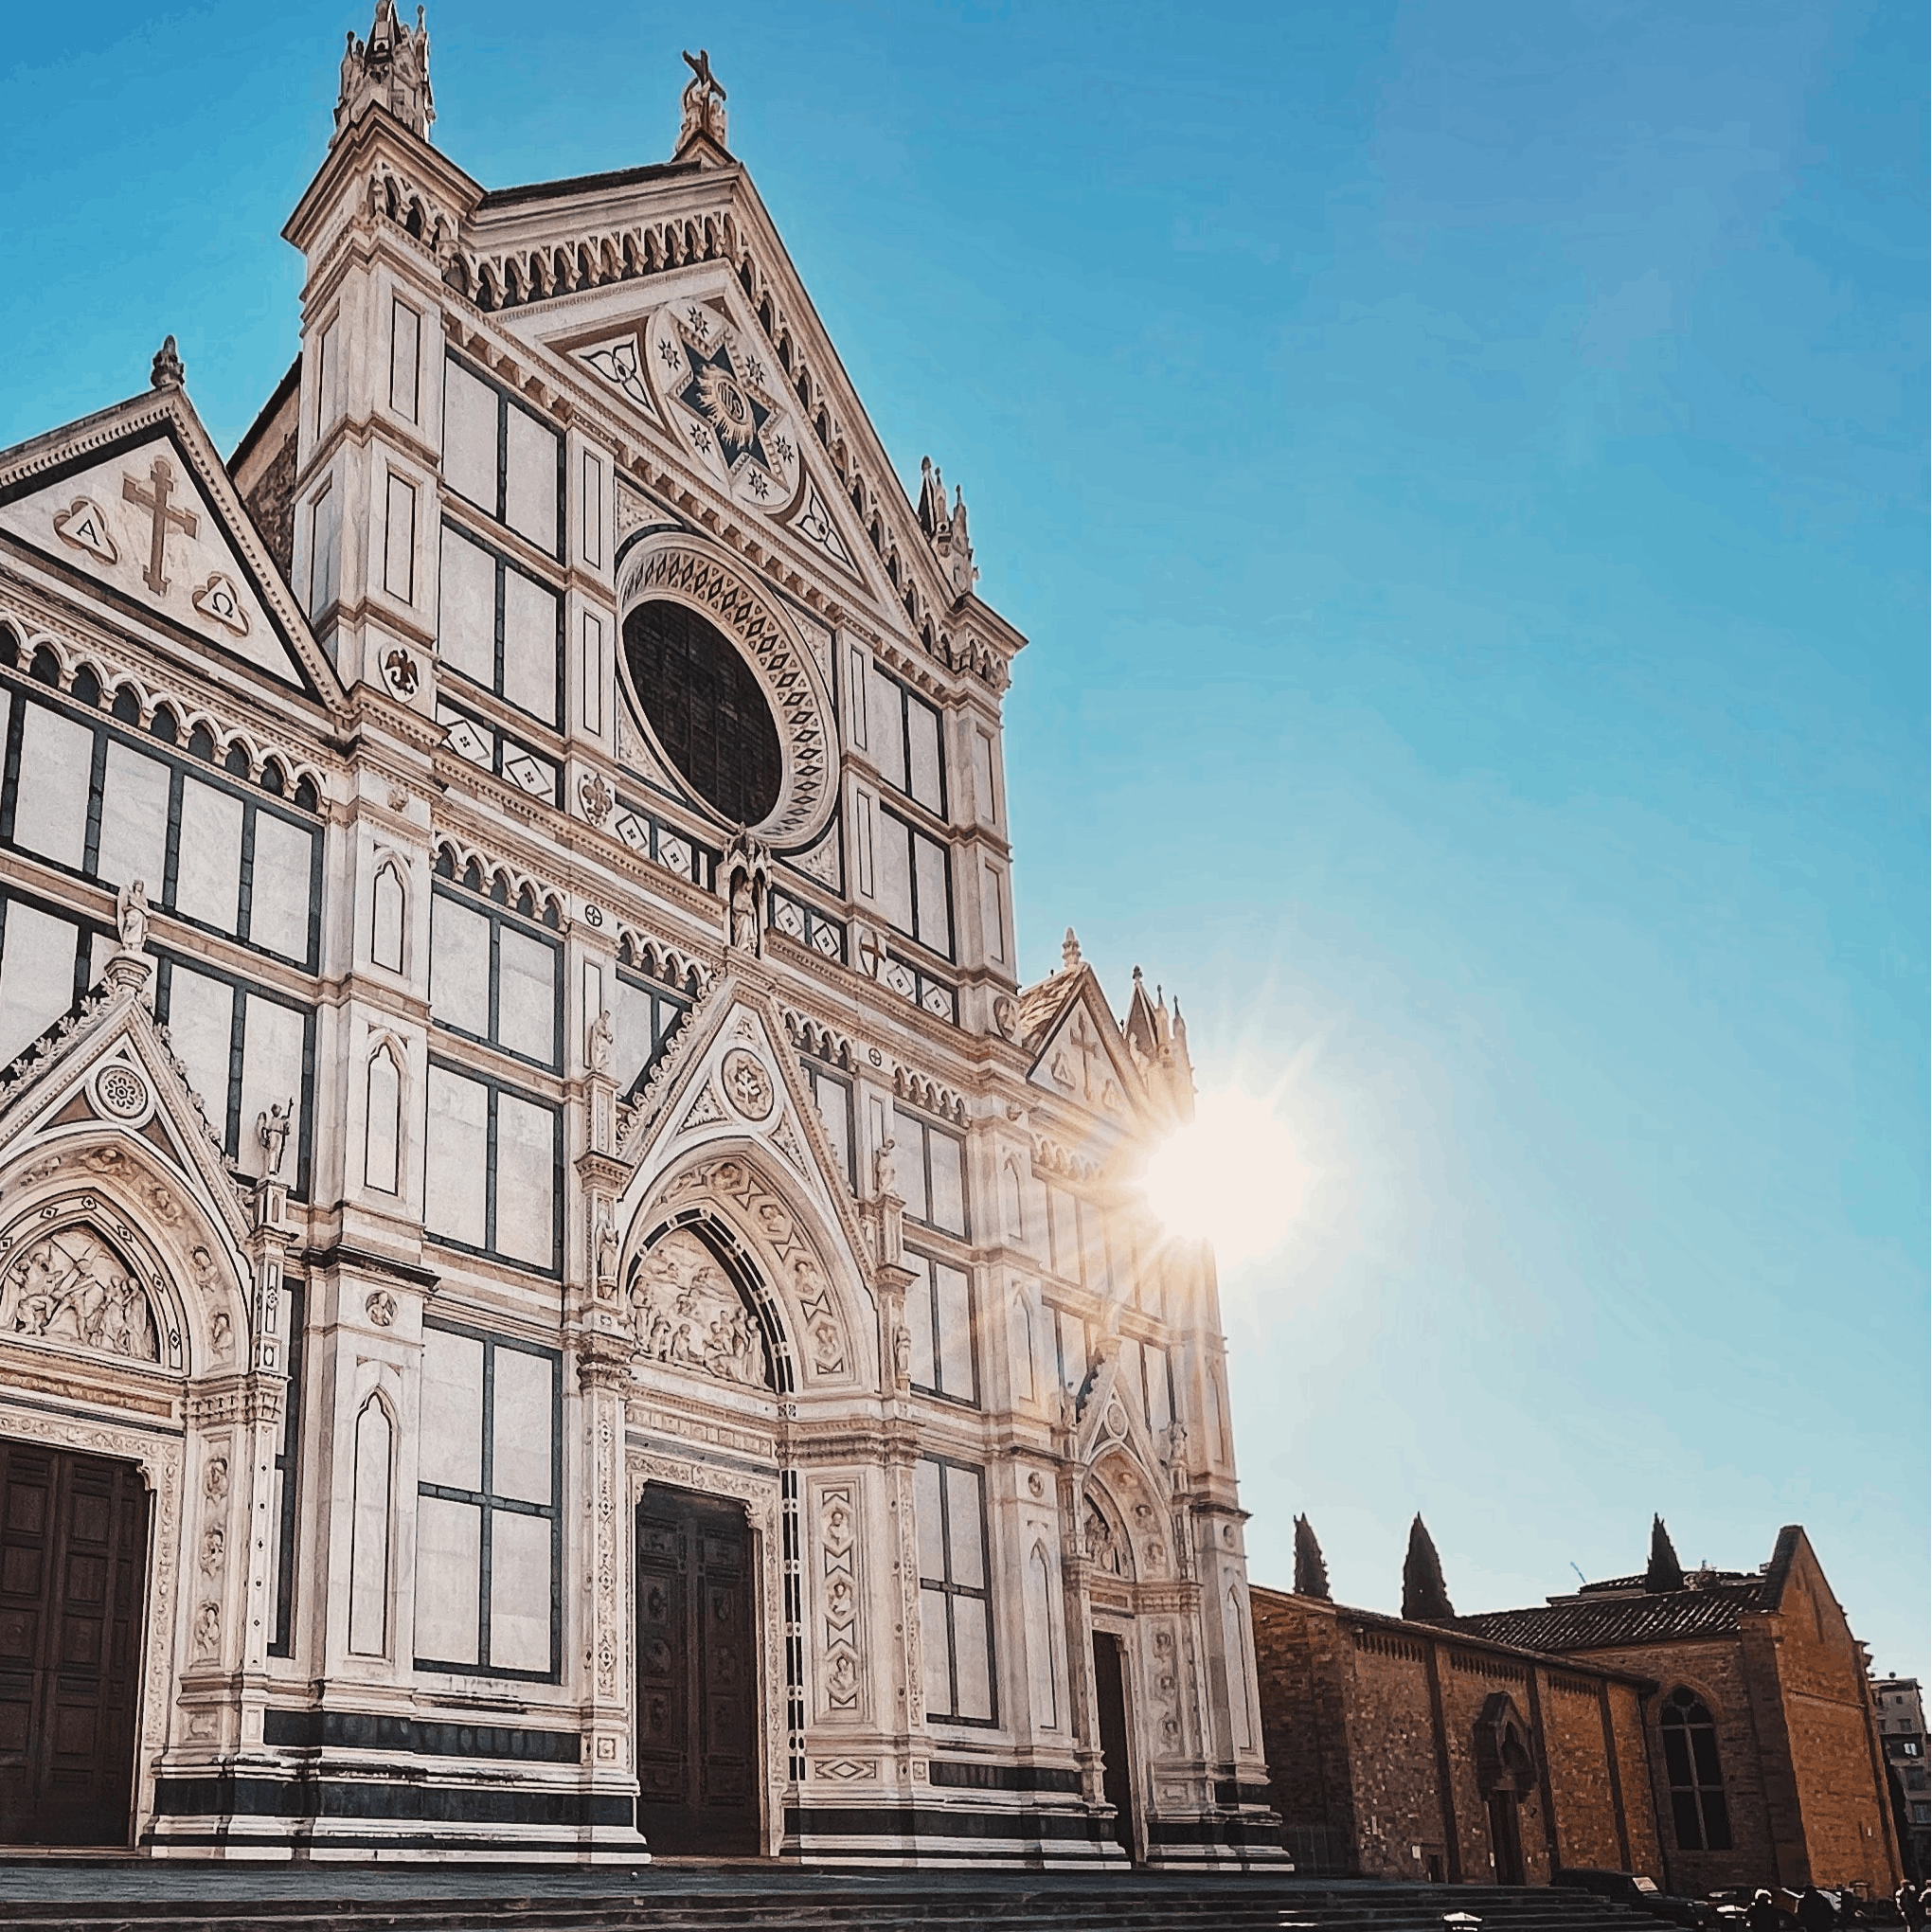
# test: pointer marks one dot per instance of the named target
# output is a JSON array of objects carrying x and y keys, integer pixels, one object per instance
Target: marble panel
[
  {"x": 451, "y": 1452},
  {"x": 134, "y": 819},
  {"x": 208, "y": 877},
  {"x": 520, "y": 1580},
  {"x": 278, "y": 902},
  {"x": 457, "y": 1156},
  {"x": 56, "y": 762},
  {"x": 36, "y": 975},
  {"x": 449, "y": 1543},
  {"x": 459, "y": 965}
]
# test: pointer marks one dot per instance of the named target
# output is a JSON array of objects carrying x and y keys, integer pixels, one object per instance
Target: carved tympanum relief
[
  {"x": 823, "y": 1338},
  {"x": 1105, "y": 1544},
  {"x": 72, "y": 1288},
  {"x": 687, "y": 1312}
]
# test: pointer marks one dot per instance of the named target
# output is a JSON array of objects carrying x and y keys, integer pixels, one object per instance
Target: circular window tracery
[
  {"x": 728, "y": 693},
  {"x": 708, "y": 709}
]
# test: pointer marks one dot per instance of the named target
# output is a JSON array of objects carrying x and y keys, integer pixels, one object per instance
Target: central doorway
[
  {"x": 697, "y": 1678},
  {"x": 1116, "y": 1774},
  {"x": 73, "y": 1572}
]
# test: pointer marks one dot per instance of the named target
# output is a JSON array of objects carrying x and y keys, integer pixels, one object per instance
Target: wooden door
[
  {"x": 73, "y": 1576},
  {"x": 697, "y": 1678},
  {"x": 1506, "y": 1836},
  {"x": 1116, "y": 1771}
]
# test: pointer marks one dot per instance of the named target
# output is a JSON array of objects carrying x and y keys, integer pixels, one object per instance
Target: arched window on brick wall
[{"x": 1691, "y": 1761}]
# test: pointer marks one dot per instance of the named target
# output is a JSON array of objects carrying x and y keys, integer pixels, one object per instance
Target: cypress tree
[
  {"x": 1665, "y": 1571},
  {"x": 1311, "y": 1572},
  {"x": 1425, "y": 1595}
]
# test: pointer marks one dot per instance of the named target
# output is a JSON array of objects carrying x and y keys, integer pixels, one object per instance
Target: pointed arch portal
[{"x": 73, "y": 1578}]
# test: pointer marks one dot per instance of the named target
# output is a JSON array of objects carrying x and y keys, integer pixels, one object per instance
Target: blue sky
[{"x": 1462, "y": 470}]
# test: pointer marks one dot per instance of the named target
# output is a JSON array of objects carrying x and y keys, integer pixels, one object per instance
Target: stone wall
[{"x": 1372, "y": 1724}]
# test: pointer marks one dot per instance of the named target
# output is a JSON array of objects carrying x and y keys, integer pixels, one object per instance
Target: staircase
[{"x": 309, "y": 1899}]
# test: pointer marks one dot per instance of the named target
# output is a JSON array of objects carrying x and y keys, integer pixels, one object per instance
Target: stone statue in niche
[
  {"x": 687, "y": 1314},
  {"x": 604, "y": 1244},
  {"x": 743, "y": 914},
  {"x": 73, "y": 1288},
  {"x": 601, "y": 1042}
]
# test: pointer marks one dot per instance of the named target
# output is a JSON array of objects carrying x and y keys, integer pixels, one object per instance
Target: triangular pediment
[
  {"x": 734, "y": 1075},
  {"x": 692, "y": 359},
  {"x": 1083, "y": 1058},
  {"x": 101, "y": 1095},
  {"x": 136, "y": 504}
]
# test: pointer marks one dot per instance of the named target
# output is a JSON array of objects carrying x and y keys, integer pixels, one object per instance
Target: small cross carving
[{"x": 154, "y": 500}]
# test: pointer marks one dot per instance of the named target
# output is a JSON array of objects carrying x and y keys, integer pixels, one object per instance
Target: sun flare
[{"x": 1228, "y": 1176}]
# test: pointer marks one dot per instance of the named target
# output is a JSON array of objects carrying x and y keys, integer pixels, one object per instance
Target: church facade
[{"x": 558, "y": 1296}]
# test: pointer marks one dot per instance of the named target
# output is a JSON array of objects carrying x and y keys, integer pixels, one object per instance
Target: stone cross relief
[
  {"x": 154, "y": 499},
  {"x": 1082, "y": 1066}
]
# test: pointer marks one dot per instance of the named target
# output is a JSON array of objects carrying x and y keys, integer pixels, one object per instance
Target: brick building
[
  {"x": 1900, "y": 1709},
  {"x": 1714, "y": 1728},
  {"x": 1401, "y": 1750},
  {"x": 1763, "y": 1745}
]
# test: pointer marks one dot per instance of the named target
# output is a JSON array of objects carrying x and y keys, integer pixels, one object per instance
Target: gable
[
  {"x": 139, "y": 514},
  {"x": 1081, "y": 1059},
  {"x": 695, "y": 366},
  {"x": 731, "y": 1073}
]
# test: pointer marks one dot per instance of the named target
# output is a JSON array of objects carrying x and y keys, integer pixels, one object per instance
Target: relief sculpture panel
[
  {"x": 72, "y": 1288},
  {"x": 687, "y": 1312}
]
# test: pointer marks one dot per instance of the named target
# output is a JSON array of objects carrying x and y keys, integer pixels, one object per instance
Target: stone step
[{"x": 819, "y": 1901}]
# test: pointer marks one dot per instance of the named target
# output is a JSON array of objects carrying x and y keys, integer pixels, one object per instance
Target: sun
[{"x": 1229, "y": 1176}]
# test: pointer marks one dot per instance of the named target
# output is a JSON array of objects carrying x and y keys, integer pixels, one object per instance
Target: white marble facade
[{"x": 509, "y": 1098}]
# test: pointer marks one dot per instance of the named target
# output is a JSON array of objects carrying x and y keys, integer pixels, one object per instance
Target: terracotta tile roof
[
  {"x": 1601, "y": 1622},
  {"x": 1042, "y": 1004}
]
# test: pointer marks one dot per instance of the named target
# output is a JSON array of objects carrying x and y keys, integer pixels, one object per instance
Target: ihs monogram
[{"x": 732, "y": 417}]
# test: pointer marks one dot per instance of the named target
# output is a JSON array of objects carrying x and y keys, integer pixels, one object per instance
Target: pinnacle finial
[
  {"x": 1069, "y": 951},
  {"x": 390, "y": 69},
  {"x": 704, "y": 124},
  {"x": 169, "y": 372}
]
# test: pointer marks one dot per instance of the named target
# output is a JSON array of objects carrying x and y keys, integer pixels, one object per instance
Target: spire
[
  {"x": 168, "y": 372},
  {"x": 701, "y": 133},
  {"x": 1425, "y": 1595},
  {"x": 945, "y": 528},
  {"x": 1665, "y": 1571},
  {"x": 1311, "y": 1572},
  {"x": 932, "y": 497},
  {"x": 390, "y": 69},
  {"x": 1069, "y": 951}
]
